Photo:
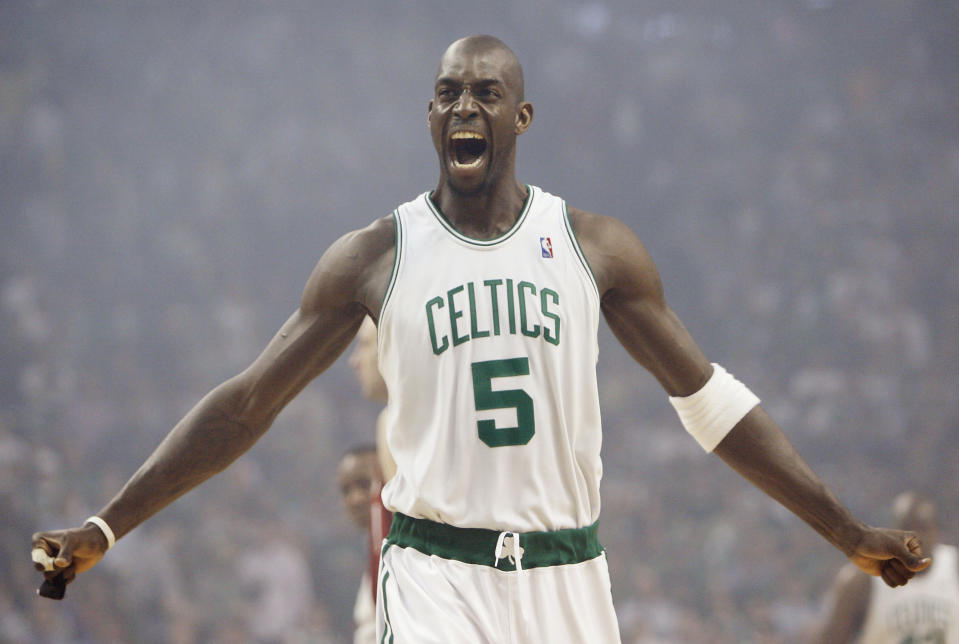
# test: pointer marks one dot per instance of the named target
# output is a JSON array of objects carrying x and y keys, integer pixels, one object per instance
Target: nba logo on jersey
[{"x": 547, "y": 246}]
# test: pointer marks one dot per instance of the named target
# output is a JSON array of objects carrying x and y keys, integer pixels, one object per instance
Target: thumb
[
  {"x": 65, "y": 556},
  {"x": 917, "y": 564}
]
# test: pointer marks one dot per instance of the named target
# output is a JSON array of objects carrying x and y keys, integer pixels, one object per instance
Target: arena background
[{"x": 170, "y": 172}]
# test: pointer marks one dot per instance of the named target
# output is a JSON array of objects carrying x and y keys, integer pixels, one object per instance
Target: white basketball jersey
[
  {"x": 489, "y": 350},
  {"x": 924, "y": 610}
]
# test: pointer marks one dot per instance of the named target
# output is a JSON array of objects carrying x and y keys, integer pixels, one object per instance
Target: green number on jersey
[
  {"x": 935, "y": 636},
  {"x": 487, "y": 399}
]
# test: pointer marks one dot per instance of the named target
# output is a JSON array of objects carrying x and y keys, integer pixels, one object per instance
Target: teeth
[
  {"x": 471, "y": 164},
  {"x": 463, "y": 140}
]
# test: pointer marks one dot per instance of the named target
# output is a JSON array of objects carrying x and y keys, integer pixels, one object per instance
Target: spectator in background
[
  {"x": 926, "y": 610},
  {"x": 277, "y": 586},
  {"x": 360, "y": 481}
]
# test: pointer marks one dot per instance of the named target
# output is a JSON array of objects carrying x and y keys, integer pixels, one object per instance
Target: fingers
[
  {"x": 895, "y": 573},
  {"x": 46, "y": 542},
  {"x": 894, "y": 555},
  {"x": 913, "y": 544},
  {"x": 52, "y": 554},
  {"x": 41, "y": 560},
  {"x": 46, "y": 549},
  {"x": 51, "y": 557},
  {"x": 898, "y": 571}
]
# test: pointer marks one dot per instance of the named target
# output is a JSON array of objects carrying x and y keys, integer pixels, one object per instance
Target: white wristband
[
  {"x": 104, "y": 528},
  {"x": 711, "y": 413}
]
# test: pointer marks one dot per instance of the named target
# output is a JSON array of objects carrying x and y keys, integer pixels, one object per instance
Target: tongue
[{"x": 468, "y": 152}]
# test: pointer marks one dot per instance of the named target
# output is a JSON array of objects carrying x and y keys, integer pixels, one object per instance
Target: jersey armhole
[
  {"x": 579, "y": 250},
  {"x": 397, "y": 258}
]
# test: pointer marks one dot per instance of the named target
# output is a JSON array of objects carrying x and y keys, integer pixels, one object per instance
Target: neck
[{"x": 485, "y": 214}]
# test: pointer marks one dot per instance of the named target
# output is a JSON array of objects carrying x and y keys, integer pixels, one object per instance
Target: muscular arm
[
  {"x": 347, "y": 284},
  {"x": 636, "y": 310},
  {"x": 231, "y": 418},
  {"x": 343, "y": 287}
]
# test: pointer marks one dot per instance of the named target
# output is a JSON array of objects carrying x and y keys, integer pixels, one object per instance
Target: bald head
[
  {"x": 917, "y": 513},
  {"x": 913, "y": 512},
  {"x": 475, "y": 115},
  {"x": 493, "y": 47}
]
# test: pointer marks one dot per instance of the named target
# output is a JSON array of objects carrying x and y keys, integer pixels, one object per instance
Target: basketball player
[
  {"x": 487, "y": 295},
  {"x": 860, "y": 610}
]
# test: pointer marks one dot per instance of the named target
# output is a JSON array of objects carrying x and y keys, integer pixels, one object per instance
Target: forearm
[
  {"x": 210, "y": 437},
  {"x": 760, "y": 452}
]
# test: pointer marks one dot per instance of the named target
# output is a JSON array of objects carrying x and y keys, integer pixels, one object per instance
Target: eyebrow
[{"x": 483, "y": 82}]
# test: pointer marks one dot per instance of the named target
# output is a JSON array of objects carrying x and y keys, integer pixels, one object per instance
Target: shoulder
[
  {"x": 852, "y": 589},
  {"x": 617, "y": 256},
  {"x": 364, "y": 245},
  {"x": 946, "y": 556},
  {"x": 598, "y": 230},
  {"x": 851, "y": 579},
  {"x": 354, "y": 269}
]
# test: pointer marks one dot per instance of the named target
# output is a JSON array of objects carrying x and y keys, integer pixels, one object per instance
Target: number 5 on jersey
[{"x": 486, "y": 399}]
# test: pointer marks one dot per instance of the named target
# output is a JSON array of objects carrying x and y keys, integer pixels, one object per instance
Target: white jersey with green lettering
[
  {"x": 489, "y": 350},
  {"x": 924, "y": 610}
]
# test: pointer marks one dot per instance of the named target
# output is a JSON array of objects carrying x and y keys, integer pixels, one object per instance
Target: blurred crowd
[{"x": 170, "y": 175}]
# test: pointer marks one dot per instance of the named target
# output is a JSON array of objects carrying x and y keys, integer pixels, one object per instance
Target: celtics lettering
[{"x": 491, "y": 308}]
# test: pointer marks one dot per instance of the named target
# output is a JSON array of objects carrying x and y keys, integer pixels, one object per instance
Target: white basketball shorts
[{"x": 440, "y": 584}]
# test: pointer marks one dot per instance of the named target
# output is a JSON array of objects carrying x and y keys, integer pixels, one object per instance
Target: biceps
[{"x": 656, "y": 338}]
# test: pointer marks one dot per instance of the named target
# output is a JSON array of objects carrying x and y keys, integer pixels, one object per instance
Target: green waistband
[{"x": 478, "y": 545}]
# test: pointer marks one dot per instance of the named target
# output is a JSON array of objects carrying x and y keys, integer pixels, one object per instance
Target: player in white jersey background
[
  {"x": 927, "y": 610},
  {"x": 365, "y": 363},
  {"x": 496, "y": 537},
  {"x": 361, "y": 473}
]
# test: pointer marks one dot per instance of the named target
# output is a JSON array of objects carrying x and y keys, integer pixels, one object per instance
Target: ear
[
  {"x": 524, "y": 117},
  {"x": 429, "y": 112}
]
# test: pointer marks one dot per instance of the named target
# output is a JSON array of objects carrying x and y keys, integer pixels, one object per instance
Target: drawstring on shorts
[
  {"x": 524, "y": 551},
  {"x": 508, "y": 541},
  {"x": 508, "y": 546}
]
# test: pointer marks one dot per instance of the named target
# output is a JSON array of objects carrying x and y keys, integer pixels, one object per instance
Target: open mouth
[{"x": 468, "y": 148}]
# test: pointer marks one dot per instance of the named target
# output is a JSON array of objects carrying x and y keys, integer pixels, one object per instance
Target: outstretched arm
[
  {"x": 345, "y": 285},
  {"x": 636, "y": 310}
]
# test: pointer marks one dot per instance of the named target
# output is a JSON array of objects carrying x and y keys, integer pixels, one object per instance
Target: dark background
[{"x": 170, "y": 173}]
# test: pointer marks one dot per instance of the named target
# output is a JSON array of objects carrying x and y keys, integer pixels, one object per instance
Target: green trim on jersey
[
  {"x": 387, "y": 627},
  {"x": 397, "y": 252},
  {"x": 579, "y": 249},
  {"x": 478, "y": 545},
  {"x": 482, "y": 242}
]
